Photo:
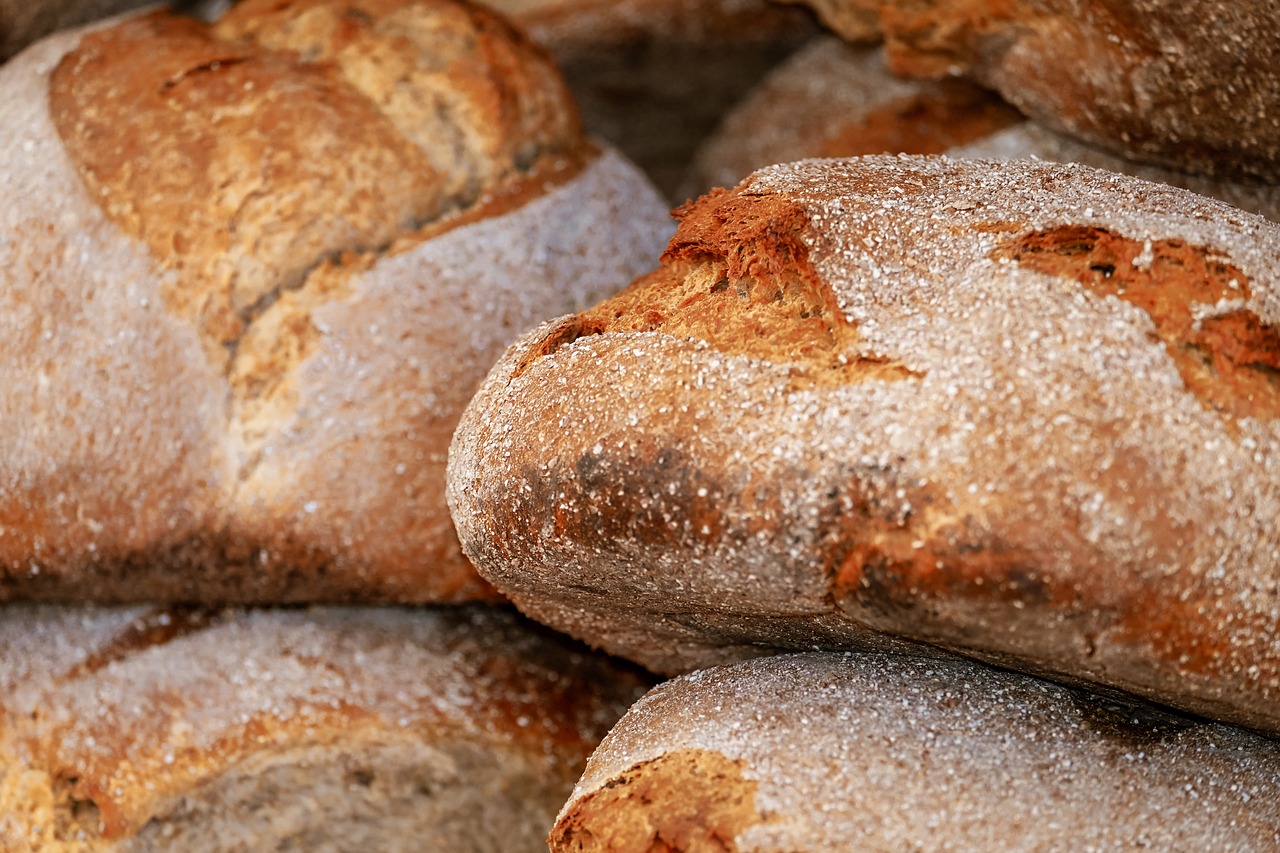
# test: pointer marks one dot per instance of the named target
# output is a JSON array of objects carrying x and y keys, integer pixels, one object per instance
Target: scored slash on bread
[
  {"x": 1024, "y": 411},
  {"x": 247, "y": 286}
]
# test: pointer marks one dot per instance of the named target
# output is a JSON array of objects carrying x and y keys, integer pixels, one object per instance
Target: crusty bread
[
  {"x": 244, "y": 295},
  {"x": 877, "y": 752},
  {"x": 322, "y": 729},
  {"x": 833, "y": 99},
  {"x": 1026, "y": 411},
  {"x": 654, "y": 76},
  {"x": 1193, "y": 86}
]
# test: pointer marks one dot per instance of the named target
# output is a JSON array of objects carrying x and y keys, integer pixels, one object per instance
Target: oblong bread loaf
[
  {"x": 1024, "y": 410},
  {"x": 879, "y": 752}
]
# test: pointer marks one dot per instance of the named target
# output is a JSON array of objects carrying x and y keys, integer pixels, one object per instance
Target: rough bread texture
[
  {"x": 324, "y": 729},
  {"x": 832, "y": 99},
  {"x": 836, "y": 100},
  {"x": 1191, "y": 86},
  {"x": 246, "y": 394},
  {"x": 1026, "y": 411},
  {"x": 876, "y": 752}
]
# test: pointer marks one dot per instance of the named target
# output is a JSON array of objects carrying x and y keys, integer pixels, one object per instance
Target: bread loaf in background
[
  {"x": 1026, "y": 411},
  {"x": 880, "y": 752},
  {"x": 25, "y": 21},
  {"x": 654, "y": 76},
  {"x": 833, "y": 99},
  {"x": 323, "y": 729},
  {"x": 1189, "y": 86},
  {"x": 251, "y": 273}
]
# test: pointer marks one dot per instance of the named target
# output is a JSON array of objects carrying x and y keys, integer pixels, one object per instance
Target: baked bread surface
[
  {"x": 879, "y": 752},
  {"x": 1190, "y": 86},
  {"x": 321, "y": 729},
  {"x": 1025, "y": 411},
  {"x": 240, "y": 321}
]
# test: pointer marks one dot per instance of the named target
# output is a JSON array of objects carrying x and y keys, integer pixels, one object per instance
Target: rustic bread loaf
[
  {"x": 877, "y": 752},
  {"x": 837, "y": 100},
  {"x": 832, "y": 99},
  {"x": 654, "y": 76},
  {"x": 1026, "y": 411},
  {"x": 250, "y": 275},
  {"x": 1191, "y": 86},
  {"x": 324, "y": 729}
]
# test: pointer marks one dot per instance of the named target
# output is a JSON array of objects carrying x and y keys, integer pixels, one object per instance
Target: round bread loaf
[
  {"x": 837, "y": 100},
  {"x": 326, "y": 729},
  {"x": 1026, "y": 411},
  {"x": 249, "y": 277},
  {"x": 1186, "y": 85},
  {"x": 879, "y": 752}
]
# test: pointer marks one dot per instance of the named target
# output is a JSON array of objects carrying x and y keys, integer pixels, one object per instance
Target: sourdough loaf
[
  {"x": 1191, "y": 86},
  {"x": 325, "y": 729},
  {"x": 249, "y": 276},
  {"x": 833, "y": 99},
  {"x": 878, "y": 752},
  {"x": 1026, "y": 411}
]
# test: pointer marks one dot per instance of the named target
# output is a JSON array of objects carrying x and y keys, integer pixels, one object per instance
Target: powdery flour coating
[
  {"x": 324, "y": 729},
  {"x": 1190, "y": 86},
  {"x": 242, "y": 388},
  {"x": 876, "y": 752},
  {"x": 1024, "y": 411}
]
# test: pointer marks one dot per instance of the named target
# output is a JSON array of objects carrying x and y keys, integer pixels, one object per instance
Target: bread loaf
[
  {"x": 1026, "y": 411},
  {"x": 249, "y": 276},
  {"x": 654, "y": 76},
  {"x": 877, "y": 752},
  {"x": 837, "y": 100},
  {"x": 326, "y": 729},
  {"x": 1185, "y": 85}
]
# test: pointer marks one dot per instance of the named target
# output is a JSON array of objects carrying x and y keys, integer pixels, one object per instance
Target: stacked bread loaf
[
  {"x": 945, "y": 486},
  {"x": 251, "y": 272}
]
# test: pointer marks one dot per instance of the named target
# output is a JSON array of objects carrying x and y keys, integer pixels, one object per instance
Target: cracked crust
[
  {"x": 1185, "y": 86},
  {"x": 878, "y": 752},
  {"x": 1070, "y": 469},
  {"x": 152, "y": 729},
  {"x": 222, "y": 409}
]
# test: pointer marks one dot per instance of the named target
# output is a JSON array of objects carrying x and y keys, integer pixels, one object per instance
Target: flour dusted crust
[
  {"x": 837, "y": 100},
  {"x": 242, "y": 389},
  {"x": 1025, "y": 411},
  {"x": 877, "y": 752},
  {"x": 1189, "y": 86},
  {"x": 390, "y": 729}
]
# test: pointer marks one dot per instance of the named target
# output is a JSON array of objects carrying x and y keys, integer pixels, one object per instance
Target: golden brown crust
[
  {"x": 692, "y": 800},
  {"x": 1068, "y": 469},
  {"x": 270, "y": 399},
  {"x": 1147, "y": 79}
]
